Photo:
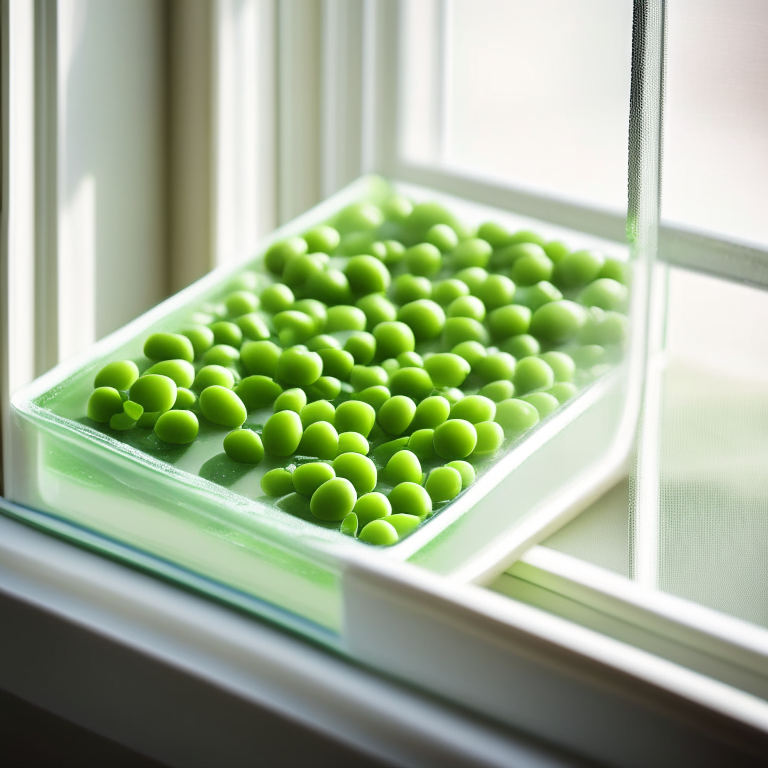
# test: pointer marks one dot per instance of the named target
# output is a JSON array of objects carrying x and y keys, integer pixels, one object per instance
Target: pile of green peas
[{"x": 393, "y": 352}]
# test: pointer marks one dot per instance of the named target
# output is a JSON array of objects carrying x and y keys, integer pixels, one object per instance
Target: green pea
[
  {"x": 178, "y": 427},
  {"x": 404, "y": 524},
  {"x": 532, "y": 373},
  {"x": 394, "y": 252},
  {"x": 558, "y": 321},
  {"x": 103, "y": 404},
  {"x": 122, "y": 422},
  {"x": 537, "y": 295},
  {"x": 225, "y": 332},
  {"x": 279, "y": 253},
  {"x": 410, "y": 360},
  {"x": 516, "y": 415},
  {"x": 377, "y": 309},
  {"x": 455, "y": 438},
  {"x": 331, "y": 287},
  {"x": 169, "y": 346},
  {"x": 299, "y": 270},
  {"x": 465, "y": 470},
  {"x": 293, "y": 327},
  {"x": 490, "y": 437},
  {"x": 532, "y": 268},
  {"x": 543, "y": 402},
  {"x": 390, "y": 365},
  {"x": 349, "y": 525},
  {"x": 425, "y": 215},
  {"x": 392, "y": 338},
  {"x": 222, "y": 406},
  {"x": 359, "y": 216},
  {"x": 291, "y": 400},
  {"x": 396, "y": 415},
  {"x": 366, "y": 274},
  {"x": 221, "y": 354},
  {"x": 154, "y": 393},
  {"x": 375, "y": 396},
  {"x": 579, "y": 268},
  {"x": 494, "y": 234},
  {"x": 413, "y": 382},
  {"x": 423, "y": 259},
  {"x": 467, "y": 306},
  {"x": 322, "y": 238},
  {"x": 337, "y": 363},
  {"x": 345, "y": 318},
  {"x": 556, "y": 250},
  {"x": 497, "y": 291},
  {"x": 588, "y": 355},
  {"x": 458, "y": 329},
  {"x": 385, "y": 451},
  {"x": 397, "y": 208},
  {"x": 209, "y": 375},
  {"x": 404, "y": 467},
  {"x": 277, "y": 298},
  {"x": 355, "y": 416},
  {"x": 523, "y": 345},
  {"x": 379, "y": 532},
  {"x": 182, "y": 372},
  {"x": 333, "y": 500},
  {"x": 616, "y": 270},
  {"x": 320, "y": 439},
  {"x": 605, "y": 293},
  {"x": 447, "y": 291},
  {"x": 315, "y": 309},
  {"x": 323, "y": 341},
  {"x": 241, "y": 303},
  {"x": 424, "y": 317},
  {"x": 410, "y": 499},
  {"x": 510, "y": 254},
  {"x": 253, "y": 327},
  {"x": 474, "y": 409},
  {"x": 447, "y": 369},
  {"x": 563, "y": 390},
  {"x": 282, "y": 433},
  {"x": 472, "y": 351},
  {"x": 118, "y": 375},
  {"x": 362, "y": 347},
  {"x": 185, "y": 400},
  {"x": 201, "y": 338},
  {"x": 320, "y": 410},
  {"x": 511, "y": 320},
  {"x": 408, "y": 288},
  {"x": 257, "y": 391},
  {"x": 362, "y": 376},
  {"x": 353, "y": 442},
  {"x": 498, "y": 390},
  {"x": 133, "y": 410},
  {"x": 359, "y": 470},
  {"x": 431, "y": 412},
  {"x": 277, "y": 482},
  {"x": 421, "y": 444},
  {"x": 613, "y": 328},
  {"x": 442, "y": 237},
  {"x": 562, "y": 365},
  {"x": 309, "y": 477},
  {"x": 299, "y": 367},
  {"x": 325, "y": 388},
  {"x": 471, "y": 253},
  {"x": 443, "y": 484},
  {"x": 244, "y": 446},
  {"x": 498, "y": 365},
  {"x": 473, "y": 278},
  {"x": 527, "y": 236}
]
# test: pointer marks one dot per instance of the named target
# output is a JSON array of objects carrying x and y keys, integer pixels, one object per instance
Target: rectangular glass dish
[{"x": 190, "y": 513}]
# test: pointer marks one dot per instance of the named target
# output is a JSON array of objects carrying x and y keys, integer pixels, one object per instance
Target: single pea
[
  {"x": 616, "y": 270},
  {"x": 345, "y": 318},
  {"x": 497, "y": 291},
  {"x": 201, "y": 338},
  {"x": 511, "y": 320},
  {"x": 379, "y": 532},
  {"x": 277, "y": 298},
  {"x": 424, "y": 317},
  {"x": 364, "y": 376},
  {"x": 516, "y": 415},
  {"x": 169, "y": 346},
  {"x": 579, "y": 268},
  {"x": 526, "y": 236},
  {"x": 562, "y": 365},
  {"x": 209, "y": 375},
  {"x": 279, "y": 253},
  {"x": 349, "y": 525},
  {"x": 319, "y": 439},
  {"x": 447, "y": 369},
  {"x": 443, "y": 484},
  {"x": 299, "y": 270},
  {"x": 375, "y": 396},
  {"x": 498, "y": 365},
  {"x": 397, "y": 208},
  {"x": 221, "y": 354},
  {"x": 474, "y": 409},
  {"x": 563, "y": 390},
  {"x": 118, "y": 375},
  {"x": 396, "y": 415},
  {"x": 333, "y": 500},
  {"x": 410, "y": 360},
  {"x": 133, "y": 410},
  {"x": 431, "y": 412},
  {"x": 299, "y": 367},
  {"x": 465, "y": 470},
  {"x": 331, "y": 287},
  {"x": 393, "y": 338},
  {"x": 471, "y": 253},
  {"x": 154, "y": 393},
  {"x": 473, "y": 278},
  {"x": 532, "y": 268},
  {"x": 458, "y": 329},
  {"x": 390, "y": 365},
  {"x": 315, "y": 309},
  {"x": 393, "y": 252},
  {"x": 537, "y": 295},
  {"x": 359, "y": 470},
  {"x": 404, "y": 524},
  {"x": 543, "y": 402},
  {"x": 446, "y": 291},
  {"x": 498, "y": 390},
  {"x": 442, "y": 237},
  {"x": 362, "y": 346},
  {"x": 282, "y": 433},
  {"x": 403, "y": 467},
  {"x": 309, "y": 477},
  {"x": 490, "y": 437},
  {"x": 103, "y": 404},
  {"x": 182, "y": 372},
  {"x": 359, "y": 216},
  {"x": 355, "y": 416},
  {"x": 293, "y": 327},
  {"x": 325, "y": 388},
  {"x": 178, "y": 427},
  {"x": 423, "y": 259},
  {"x": 532, "y": 373},
  {"x": 408, "y": 288},
  {"x": 186, "y": 400},
  {"x": 277, "y": 482},
  {"x": 605, "y": 293},
  {"x": 323, "y": 341},
  {"x": 494, "y": 234},
  {"x": 455, "y": 438},
  {"x": 467, "y": 306},
  {"x": 148, "y": 419},
  {"x": 557, "y": 250},
  {"x": 244, "y": 446},
  {"x": 421, "y": 444},
  {"x": 366, "y": 274},
  {"x": 225, "y": 332},
  {"x": 415, "y": 383},
  {"x": 377, "y": 309},
  {"x": 522, "y": 345},
  {"x": 410, "y": 499},
  {"x": 353, "y": 442},
  {"x": 253, "y": 327},
  {"x": 291, "y": 400},
  {"x": 337, "y": 363},
  {"x": 320, "y": 410},
  {"x": 558, "y": 321},
  {"x": 122, "y": 422},
  {"x": 472, "y": 351},
  {"x": 322, "y": 238},
  {"x": 222, "y": 406}
]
